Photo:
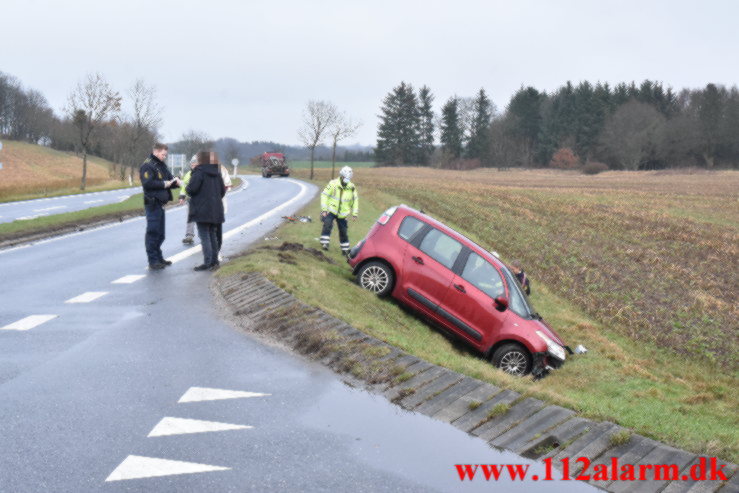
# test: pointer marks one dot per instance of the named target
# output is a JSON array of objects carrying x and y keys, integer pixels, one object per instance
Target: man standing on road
[
  {"x": 338, "y": 200},
  {"x": 206, "y": 191},
  {"x": 158, "y": 183}
]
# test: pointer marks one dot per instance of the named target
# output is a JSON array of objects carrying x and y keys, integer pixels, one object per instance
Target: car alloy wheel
[
  {"x": 513, "y": 359},
  {"x": 376, "y": 277}
]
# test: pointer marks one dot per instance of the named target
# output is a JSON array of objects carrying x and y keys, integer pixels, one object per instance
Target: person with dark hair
[
  {"x": 521, "y": 276},
  {"x": 157, "y": 183},
  {"x": 206, "y": 190}
]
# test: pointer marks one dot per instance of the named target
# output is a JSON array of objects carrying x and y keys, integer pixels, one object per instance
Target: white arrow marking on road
[
  {"x": 136, "y": 467},
  {"x": 128, "y": 279},
  {"x": 29, "y": 322},
  {"x": 87, "y": 297},
  {"x": 197, "y": 394},
  {"x": 180, "y": 426}
]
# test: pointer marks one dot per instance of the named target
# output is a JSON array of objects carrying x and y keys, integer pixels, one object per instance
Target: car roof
[{"x": 453, "y": 233}]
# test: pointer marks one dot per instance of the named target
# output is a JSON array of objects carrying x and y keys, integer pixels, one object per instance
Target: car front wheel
[
  {"x": 376, "y": 277},
  {"x": 513, "y": 359}
]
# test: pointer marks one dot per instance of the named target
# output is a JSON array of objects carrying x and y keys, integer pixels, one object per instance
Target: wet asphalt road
[
  {"x": 81, "y": 392},
  {"x": 30, "y": 209}
]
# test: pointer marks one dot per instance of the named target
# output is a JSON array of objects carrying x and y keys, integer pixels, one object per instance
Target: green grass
[
  {"x": 45, "y": 223},
  {"x": 65, "y": 191},
  {"x": 636, "y": 384}
]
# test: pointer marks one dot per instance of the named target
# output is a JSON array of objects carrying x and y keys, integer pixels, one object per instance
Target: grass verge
[{"x": 654, "y": 391}]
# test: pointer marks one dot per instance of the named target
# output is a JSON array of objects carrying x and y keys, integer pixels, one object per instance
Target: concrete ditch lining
[{"x": 504, "y": 418}]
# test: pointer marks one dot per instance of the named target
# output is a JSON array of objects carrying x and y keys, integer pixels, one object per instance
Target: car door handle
[
  {"x": 460, "y": 288},
  {"x": 418, "y": 260}
]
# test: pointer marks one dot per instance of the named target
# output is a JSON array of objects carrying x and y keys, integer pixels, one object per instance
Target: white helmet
[{"x": 346, "y": 173}]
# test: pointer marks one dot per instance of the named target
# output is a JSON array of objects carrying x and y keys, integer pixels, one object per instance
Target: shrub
[
  {"x": 594, "y": 167},
  {"x": 564, "y": 158}
]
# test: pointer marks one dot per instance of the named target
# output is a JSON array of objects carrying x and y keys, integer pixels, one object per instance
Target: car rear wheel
[
  {"x": 376, "y": 277},
  {"x": 513, "y": 359}
]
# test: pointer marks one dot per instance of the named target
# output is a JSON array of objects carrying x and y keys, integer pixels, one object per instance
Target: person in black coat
[
  {"x": 158, "y": 183},
  {"x": 206, "y": 189}
]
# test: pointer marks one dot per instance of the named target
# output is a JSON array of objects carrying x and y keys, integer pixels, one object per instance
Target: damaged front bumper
[{"x": 543, "y": 362}]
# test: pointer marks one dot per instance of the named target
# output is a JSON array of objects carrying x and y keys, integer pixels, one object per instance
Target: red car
[{"x": 459, "y": 286}]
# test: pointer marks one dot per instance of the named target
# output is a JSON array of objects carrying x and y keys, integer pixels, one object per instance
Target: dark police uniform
[{"x": 153, "y": 173}]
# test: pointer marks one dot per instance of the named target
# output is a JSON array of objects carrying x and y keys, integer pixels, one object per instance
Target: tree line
[
  {"x": 96, "y": 120},
  {"x": 628, "y": 127}
]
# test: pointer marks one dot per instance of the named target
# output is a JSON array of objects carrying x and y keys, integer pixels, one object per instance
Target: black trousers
[
  {"x": 154, "y": 232},
  {"x": 209, "y": 241},
  {"x": 328, "y": 224}
]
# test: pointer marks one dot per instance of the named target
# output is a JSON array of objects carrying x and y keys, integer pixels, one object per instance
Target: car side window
[
  {"x": 409, "y": 227},
  {"x": 481, "y": 274},
  {"x": 441, "y": 247}
]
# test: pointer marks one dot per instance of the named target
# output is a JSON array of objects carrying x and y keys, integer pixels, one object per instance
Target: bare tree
[
  {"x": 342, "y": 128},
  {"x": 143, "y": 123},
  {"x": 193, "y": 141},
  {"x": 631, "y": 132},
  {"x": 90, "y": 105},
  {"x": 318, "y": 116}
]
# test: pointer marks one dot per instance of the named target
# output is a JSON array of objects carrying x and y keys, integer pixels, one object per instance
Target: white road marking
[
  {"x": 136, "y": 467},
  {"x": 93, "y": 201},
  {"x": 180, "y": 426},
  {"x": 190, "y": 251},
  {"x": 29, "y": 322},
  {"x": 50, "y": 208},
  {"x": 87, "y": 297},
  {"x": 128, "y": 279},
  {"x": 198, "y": 394}
]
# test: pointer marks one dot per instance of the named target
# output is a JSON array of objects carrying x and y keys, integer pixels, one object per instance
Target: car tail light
[{"x": 385, "y": 217}]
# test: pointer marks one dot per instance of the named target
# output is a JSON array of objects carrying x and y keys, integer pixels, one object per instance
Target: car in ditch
[{"x": 459, "y": 286}]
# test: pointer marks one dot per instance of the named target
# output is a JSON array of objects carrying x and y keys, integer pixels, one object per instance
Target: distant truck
[{"x": 274, "y": 163}]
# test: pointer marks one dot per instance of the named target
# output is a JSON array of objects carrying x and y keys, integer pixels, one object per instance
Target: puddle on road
[{"x": 416, "y": 447}]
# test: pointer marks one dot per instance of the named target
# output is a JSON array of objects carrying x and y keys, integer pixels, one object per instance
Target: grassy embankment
[
  {"x": 638, "y": 267},
  {"x": 32, "y": 171}
]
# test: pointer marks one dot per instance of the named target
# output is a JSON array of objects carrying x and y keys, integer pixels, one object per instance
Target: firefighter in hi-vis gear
[{"x": 338, "y": 200}]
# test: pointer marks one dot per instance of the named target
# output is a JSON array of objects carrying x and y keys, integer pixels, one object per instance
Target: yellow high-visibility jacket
[{"x": 340, "y": 200}]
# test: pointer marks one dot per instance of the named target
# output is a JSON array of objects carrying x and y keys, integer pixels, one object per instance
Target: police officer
[
  {"x": 338, "y": 200},
  {"x": 157, "y": 182}
]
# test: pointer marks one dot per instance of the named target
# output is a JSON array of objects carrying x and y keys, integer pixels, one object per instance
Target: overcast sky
[{"x": 245, "y": 69}]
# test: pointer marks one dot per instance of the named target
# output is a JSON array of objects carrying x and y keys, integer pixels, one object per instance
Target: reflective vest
[{"x": 340, "y": 200}]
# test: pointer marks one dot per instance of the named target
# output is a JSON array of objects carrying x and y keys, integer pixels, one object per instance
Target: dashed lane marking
[
  {"x": 87, "y": 297},
  {"x": 138, "y": 467},
  {"x": 180, "y": 426},
  {"x": 198, "y": 394},
  {"x": 50, "y": 208},
  {"x": 128, "y": 279},
  {"x": 93, "y": 201},
  {"x": 29, "y": 322}
]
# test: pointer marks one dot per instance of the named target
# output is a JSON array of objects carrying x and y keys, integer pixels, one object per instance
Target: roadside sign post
[
  {"x": 235, "y": 163},
  {"x": 1, "y": 148}
]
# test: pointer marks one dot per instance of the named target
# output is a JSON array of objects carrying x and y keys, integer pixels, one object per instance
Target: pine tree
[
  {"x": 451, "y": 130},
  {"x": 524, "y": 111},
  {"x": 478, "y": 146},
  {"x": 398, "y": 138},
  {"x": 426, "y": 131}
]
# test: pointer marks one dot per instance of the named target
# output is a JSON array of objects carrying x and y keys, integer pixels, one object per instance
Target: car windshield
[{"x": 518, "y": 301}]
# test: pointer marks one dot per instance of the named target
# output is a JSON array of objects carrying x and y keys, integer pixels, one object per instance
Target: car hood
[{"x": 544, "y": 327}]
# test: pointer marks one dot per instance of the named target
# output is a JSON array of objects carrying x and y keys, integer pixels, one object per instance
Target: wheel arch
[{"x": 520, "y": 342}]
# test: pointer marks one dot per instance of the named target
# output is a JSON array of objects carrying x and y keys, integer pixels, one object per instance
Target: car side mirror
[{"x": 501, "y": 303}]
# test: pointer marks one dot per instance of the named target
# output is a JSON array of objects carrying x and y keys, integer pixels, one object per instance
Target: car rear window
[
  {"x": 440, "y": 247},
  {"x": 409, "y": 227},
  {"x": 481, "y": 274}
]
